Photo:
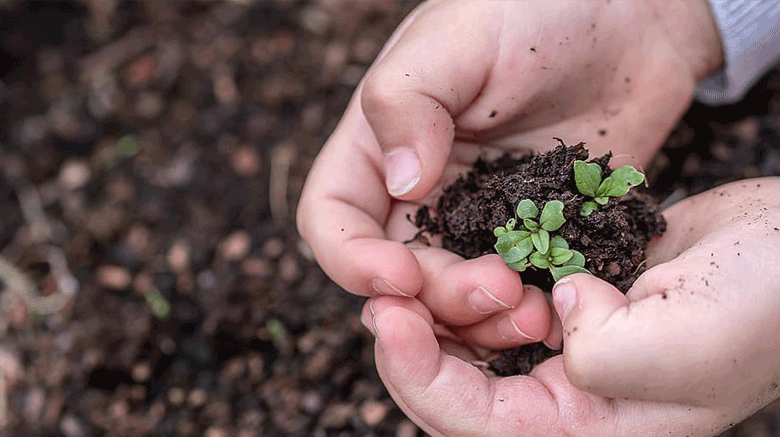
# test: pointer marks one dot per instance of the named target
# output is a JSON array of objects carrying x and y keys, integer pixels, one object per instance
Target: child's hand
[
  {"x": 691, "y": 349},
  {"x": 458, "y": 75}
]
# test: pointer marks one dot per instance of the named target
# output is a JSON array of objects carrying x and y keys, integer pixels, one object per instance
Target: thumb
[
  {"x": 412, "y": 93},
  {"x": 584, "y": 304}
]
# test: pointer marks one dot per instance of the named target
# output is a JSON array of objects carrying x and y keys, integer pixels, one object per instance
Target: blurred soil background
[{"x": 151, "y": 158}]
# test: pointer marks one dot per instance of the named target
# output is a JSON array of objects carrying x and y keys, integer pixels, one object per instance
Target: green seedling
[
  {"x": 561, "y": 260},
  {"x": 530, "y": 245},
  {"x": 532, "y": 233},
  {"x": 589, "y": 182}
]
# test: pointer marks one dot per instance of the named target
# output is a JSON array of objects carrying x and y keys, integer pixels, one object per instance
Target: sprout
[
  {"x": 588, "y": 180},
  {"x": 531, "y": 244}
]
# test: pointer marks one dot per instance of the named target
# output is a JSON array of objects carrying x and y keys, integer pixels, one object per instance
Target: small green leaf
[
  {"x": 587, "y": 177},
  {"x": 605, "y": 187},
  {"x": 499, "y": 231},
  {"x": 530, "y": 225},
  {"x": 560, "y": 272},
  {"x": 512, "y": 255},
  {"x": 552, "y": 215},
  {"x": 588, "y": 207},
  {"x": 577, "y": 259},
  {"x": 539, "y": 260},
  {"x": 558, "y": 241},
  {"x": 559, "y": 256},
  {"x": 504, "y": 243},
  {"x": 601, "y": 200},
  {"x": 520, "y": 266},
  {"x": 525, "y": 246},
  {"x": 510, "y": 224},
  {"x": 628, "y": 175},
  {"x": 620, "y": 181},
  {"x": 526, "y": 209},
  {"x": 541, "y": 241}
]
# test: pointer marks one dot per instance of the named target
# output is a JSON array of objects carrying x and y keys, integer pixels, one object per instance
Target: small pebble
[
  {"x": 216, "y": 431},
  {"x": 140, "y": 72},
  {"x": 74, "y": 174},
  {"x": 406, "y": 428},
  {"x": 373, "y": 412},
  {"x": 257, "y": 268},
  {"x": 71, "y": 426},
  {"x": 178, "y": 258},
  {"x": 206, "y": 280},
  {"x": 176, "y": 395},
  {"x": 149, "y": 105},
  {"x": 312, "y": 402},
  {"x": 337, "y": 415},
  {"x": 33, "y": 404},
  {"x": 11, "y": 366},
  {"x": 289, "y": 268},
  {"x": 245, "y": 161},
  {"x": 315, "y": 20},
  {"x": 236, "y": 245},
  {"x": 33, "y": 129},
  {"x": 273, "y": 248},
  {"x": 113, "y": 277},
  {"x": 138, "y": 239},
  {"x": 197, "y": 398},
  {"x": 141, "y": 372}
]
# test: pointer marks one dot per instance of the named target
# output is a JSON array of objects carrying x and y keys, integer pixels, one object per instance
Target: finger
[
  {"x": 443, "y": 394},
  {"x": 460, "y": 292},
  {"x": 673, "y": 337},
  {"x": 678, "y": 342},
  {"x": 446, "y": 396},
  {"x": 410, "y": 96},
  {"x": 554, "y": 339},
  {"x": 342, "y": 213},
  {"x": 529, "y": 322}
]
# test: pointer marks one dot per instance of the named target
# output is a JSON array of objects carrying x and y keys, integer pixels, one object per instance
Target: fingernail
[
  {"x": 382, "y": 286},
  {"x": 485, "y": 303},
  {"x": 564, "y": 297},
  {"x": 508, "y": 330},
  {"x": 403, "y": 170}
]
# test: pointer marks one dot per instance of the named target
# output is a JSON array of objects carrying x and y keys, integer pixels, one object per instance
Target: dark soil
[
  {"x": 229, "y": 102},
  {"x": 613, "y": 239}
]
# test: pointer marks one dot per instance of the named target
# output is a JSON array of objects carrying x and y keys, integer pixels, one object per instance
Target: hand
[
  {"x": 457, "y": 76},
  {"x": 691, "y": 349}
]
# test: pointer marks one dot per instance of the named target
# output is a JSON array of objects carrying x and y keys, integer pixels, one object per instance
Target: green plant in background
[
  {"x": 531, "y": 244},
  {"x": 160, "y": 306},
  {"x": 589, "y": 182},
  {"x": 125, "y": 147}
]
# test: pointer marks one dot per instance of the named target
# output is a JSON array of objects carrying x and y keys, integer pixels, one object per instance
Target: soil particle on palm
[{"x": 612, "y": 239}]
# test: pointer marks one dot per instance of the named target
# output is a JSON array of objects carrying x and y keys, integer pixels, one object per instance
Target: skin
[{"x": 464, "y": 79}]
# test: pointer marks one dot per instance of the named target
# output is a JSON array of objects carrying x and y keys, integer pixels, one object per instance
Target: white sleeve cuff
[{"x": 750, "y": 30}]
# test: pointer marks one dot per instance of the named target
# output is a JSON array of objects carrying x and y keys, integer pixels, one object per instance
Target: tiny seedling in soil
[
  {"x": 495, "y": 208},
  {"x": 589, "y": 182},
  {"x": 531, "y": 245}
]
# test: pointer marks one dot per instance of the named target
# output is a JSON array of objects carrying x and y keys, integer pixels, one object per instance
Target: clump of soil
[{"x": 613, "y": 239}]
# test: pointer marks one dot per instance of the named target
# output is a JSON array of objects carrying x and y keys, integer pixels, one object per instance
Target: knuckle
[{"x": 376, "y": 96}]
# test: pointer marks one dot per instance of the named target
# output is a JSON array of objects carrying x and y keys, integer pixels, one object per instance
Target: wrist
[{"x": 691, "y": 29}]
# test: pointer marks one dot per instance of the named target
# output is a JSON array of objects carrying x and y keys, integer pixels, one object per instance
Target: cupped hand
[
  {"x": 462, "y": 79},
  {"x": 690, "y": 350}
]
